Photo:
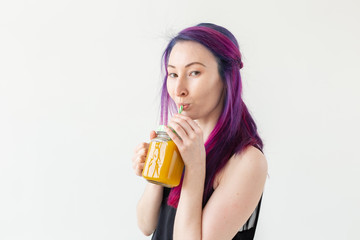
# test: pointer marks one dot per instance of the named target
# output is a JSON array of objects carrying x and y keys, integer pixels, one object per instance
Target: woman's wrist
[
  {"x": 196, "y": 169},
  {"x": 194, "y": 176},
  {"x": 154, "y": 187}
]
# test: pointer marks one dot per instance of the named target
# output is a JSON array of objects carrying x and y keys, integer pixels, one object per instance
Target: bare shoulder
[
  {"x": 251, "y": 160},
  {"x": 250, "y": 163},
  {"x": 238, "y": 190},
  {"x": 251, "y": 156}
]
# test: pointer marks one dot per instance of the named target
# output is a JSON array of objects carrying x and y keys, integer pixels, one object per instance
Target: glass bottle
[{"x": 163, "y": 163}]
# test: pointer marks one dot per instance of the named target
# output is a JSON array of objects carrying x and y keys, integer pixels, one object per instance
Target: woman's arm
[
  {"x": 188, "y": 219},
  {"x": 232, "y": 202},
  {"x": 148, "y": 207},
  {"x": 189, "y": 140},
  {"x": 237, "y": 195},
  {"x": 230, "y": 205}
]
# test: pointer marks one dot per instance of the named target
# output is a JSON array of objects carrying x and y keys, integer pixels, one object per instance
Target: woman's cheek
[{"x": 169, "y": 88}]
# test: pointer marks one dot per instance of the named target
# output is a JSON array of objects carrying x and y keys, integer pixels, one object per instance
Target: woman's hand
[
  {"x": 148, "y": 207},
  {"x": 189, "y": 140},
  {"x": 139, "y": 156}
]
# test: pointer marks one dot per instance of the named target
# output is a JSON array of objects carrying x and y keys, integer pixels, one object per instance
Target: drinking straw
[{"x": 181, "y": 108}]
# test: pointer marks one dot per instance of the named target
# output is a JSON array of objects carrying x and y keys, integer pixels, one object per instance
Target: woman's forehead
[{"x": 185, "y": 52}]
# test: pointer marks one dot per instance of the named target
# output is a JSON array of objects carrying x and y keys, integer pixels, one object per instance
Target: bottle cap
[{"x": 161, "y": 128}]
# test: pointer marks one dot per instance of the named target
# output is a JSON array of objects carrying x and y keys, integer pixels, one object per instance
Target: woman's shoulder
[
  {"x": 250, "y": 154},
  {"x": 250, "y": 159}
]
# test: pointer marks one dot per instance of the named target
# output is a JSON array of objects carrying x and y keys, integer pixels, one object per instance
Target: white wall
[{"x": 79, "y": 83}]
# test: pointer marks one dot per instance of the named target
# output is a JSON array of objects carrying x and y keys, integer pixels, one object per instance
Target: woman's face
[{"x": 193, "y": 81}]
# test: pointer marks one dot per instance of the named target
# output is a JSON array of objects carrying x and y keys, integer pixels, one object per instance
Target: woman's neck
[{"x": 206, "y": 127}]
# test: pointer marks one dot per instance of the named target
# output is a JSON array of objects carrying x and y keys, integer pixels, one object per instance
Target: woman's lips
[{"x": 185, "y": 106}]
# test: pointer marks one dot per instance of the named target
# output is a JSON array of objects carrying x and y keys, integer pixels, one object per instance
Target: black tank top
[
  {"x": 165, "y": 225},
  {"x": 164, "y": 229}
]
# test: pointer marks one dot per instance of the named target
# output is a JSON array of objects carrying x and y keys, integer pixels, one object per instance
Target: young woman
[{"x": 220, "y": 194}]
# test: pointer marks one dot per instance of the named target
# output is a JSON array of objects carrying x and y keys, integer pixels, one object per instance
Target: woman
[{"x": 220, "y": 194}]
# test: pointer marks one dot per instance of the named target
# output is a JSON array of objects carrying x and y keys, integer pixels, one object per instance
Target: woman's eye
[
  {"x": 172, "y": 75},
  {"x": 194, "y": 73}
]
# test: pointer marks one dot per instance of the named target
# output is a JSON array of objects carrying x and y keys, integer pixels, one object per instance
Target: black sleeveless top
[
  {"x": 165, "y": 225},
  {"x": 164, "y": 229}
]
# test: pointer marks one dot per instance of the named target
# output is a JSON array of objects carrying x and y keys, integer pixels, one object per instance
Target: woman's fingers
[
  {"x": 181, "y": 127},
  {"x": 174, "y": 137},
  {"x": 183, "y": 123},
  {"x": 185, "y": 127},
  {"x": 194, "y": 125},
  {"x": 143, "y": 145},
  {"x": 138, "y": 164},
  {"x": 139, "y": 152},
  {"x": 139, "y": 168},
  {"x": 138, "y": 159},
  {"x": 152, "y": 135}
]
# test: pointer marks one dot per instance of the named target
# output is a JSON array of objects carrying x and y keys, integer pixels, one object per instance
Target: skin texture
[{"x": 193, "y": 79}]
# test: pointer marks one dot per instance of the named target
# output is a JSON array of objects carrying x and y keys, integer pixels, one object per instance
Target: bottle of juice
[{"x": 163, "y": 163}]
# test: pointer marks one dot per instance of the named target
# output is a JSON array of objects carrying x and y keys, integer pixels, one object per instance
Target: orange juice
[{"x": 163, "y": 164}]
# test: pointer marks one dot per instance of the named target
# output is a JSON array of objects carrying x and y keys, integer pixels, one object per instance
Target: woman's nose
[{"x": 180, "y": 88}]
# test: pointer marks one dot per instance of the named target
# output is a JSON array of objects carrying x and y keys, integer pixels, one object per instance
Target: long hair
[{"x": 235, "y": 128}]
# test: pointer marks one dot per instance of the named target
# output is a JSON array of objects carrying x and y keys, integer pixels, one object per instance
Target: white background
[{"x": 79, "y": 89}]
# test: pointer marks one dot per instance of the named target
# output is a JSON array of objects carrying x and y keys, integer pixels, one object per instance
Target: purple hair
[{"x": 235, "y": 128}]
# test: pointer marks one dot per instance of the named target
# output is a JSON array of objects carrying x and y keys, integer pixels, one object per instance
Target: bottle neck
[{"x": 162, "y": 135}]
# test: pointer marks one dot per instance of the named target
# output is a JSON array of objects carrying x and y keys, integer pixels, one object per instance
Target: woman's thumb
[{"x": 152, "y": 135}]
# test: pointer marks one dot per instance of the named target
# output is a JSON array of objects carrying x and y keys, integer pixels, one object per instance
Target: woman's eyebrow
[{"x": 188, "y": 65}]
